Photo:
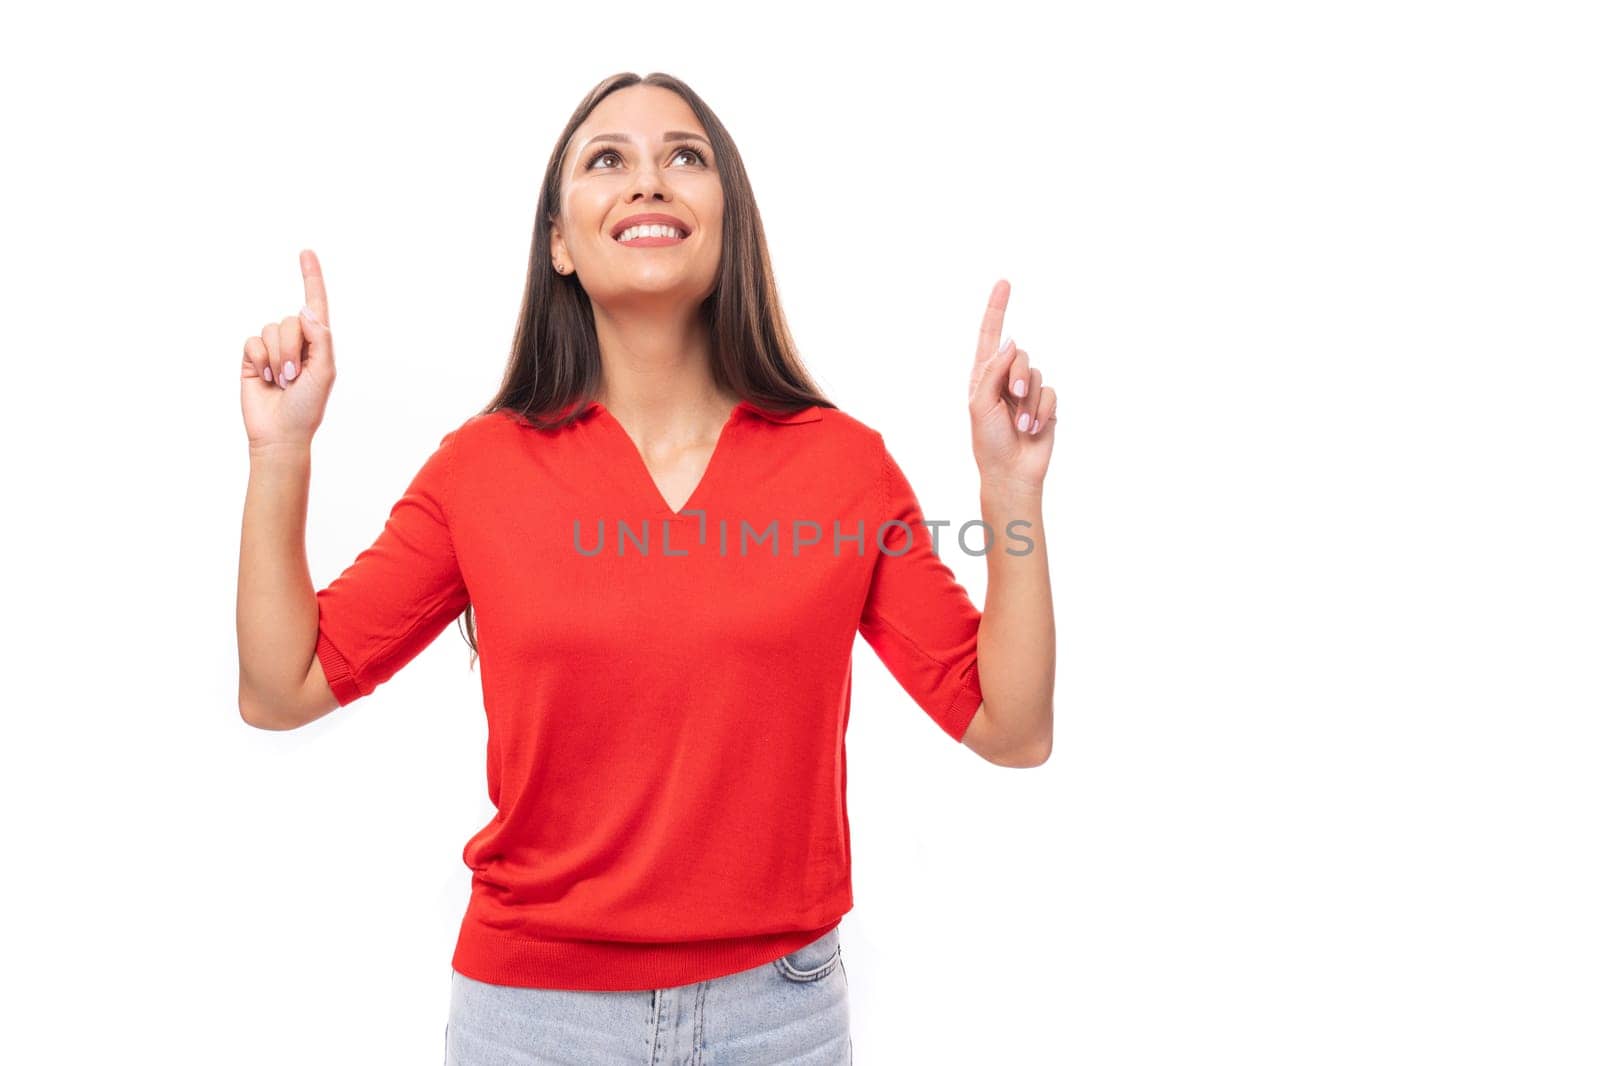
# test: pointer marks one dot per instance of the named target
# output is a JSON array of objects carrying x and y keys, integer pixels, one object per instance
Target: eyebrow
[{"x": 670, "y": 135}]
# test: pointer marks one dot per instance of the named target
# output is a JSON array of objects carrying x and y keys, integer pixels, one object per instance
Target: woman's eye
[{"x": 613, "y": 152}]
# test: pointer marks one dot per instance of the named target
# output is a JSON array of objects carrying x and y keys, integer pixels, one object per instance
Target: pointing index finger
[
  {"x": 994, "y": 317},
  {"x": 316, "y": 295}
]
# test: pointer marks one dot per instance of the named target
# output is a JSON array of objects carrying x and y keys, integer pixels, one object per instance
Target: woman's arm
[
  {"x": 304, "y": 651},
  {"x": 287, "y": 373},
  {"x": 1017, "y": 637},
  {"x": 281, "y": 682},
  {"x": 1013, "y": 433}
]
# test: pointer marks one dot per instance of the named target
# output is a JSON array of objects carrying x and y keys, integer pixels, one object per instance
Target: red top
[{"x": 666, "y": 708}]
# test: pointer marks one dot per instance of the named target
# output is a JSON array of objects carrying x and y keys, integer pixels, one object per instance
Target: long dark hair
[{"x": 554, "y": 368}]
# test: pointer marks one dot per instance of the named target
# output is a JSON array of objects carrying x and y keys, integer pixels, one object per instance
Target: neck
[{"x": 655, "y": 367}]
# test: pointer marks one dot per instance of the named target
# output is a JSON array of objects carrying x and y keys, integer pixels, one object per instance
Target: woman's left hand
[{"x": 1013, "y": 432}]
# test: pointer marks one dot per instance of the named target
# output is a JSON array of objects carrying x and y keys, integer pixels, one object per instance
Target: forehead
[{"x": 643, "y": 111}]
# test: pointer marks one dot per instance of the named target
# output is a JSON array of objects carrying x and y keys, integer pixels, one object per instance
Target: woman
[{"x": 664, "y": 540}]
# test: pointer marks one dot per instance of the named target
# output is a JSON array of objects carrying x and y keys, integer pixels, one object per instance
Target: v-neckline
[{"x": 647, "y": 480}]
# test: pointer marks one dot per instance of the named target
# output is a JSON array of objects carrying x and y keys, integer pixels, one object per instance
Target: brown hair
[{"x": 555, "y": 355}]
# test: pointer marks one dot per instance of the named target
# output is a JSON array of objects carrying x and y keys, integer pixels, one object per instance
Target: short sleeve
[
  {"x": 396, "y": 597},
  {"x": 917, "y": 616}
]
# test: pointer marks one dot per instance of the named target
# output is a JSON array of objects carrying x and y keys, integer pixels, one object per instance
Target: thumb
[
  {"x": 987, "y": 376},
  {"x": 319, "y": 340}
]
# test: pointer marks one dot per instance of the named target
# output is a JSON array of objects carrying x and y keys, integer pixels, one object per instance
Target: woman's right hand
[{"x": 288, "y": 369}]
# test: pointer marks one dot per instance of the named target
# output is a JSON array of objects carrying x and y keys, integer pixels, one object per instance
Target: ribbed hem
[
  {"x": 489, "y": 955},
  {"x": 341, "y": 679},
  {"x": 964, "y": 708}
]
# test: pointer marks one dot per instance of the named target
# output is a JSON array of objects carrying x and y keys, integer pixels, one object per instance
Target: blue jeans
[{"x": 792, "y": 1010}]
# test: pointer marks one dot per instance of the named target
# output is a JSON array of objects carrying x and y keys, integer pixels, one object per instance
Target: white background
[{"x": 1315, "y": 284}]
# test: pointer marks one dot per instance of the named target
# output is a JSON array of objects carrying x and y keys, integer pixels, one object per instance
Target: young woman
[{"x": 663, "y": 539}]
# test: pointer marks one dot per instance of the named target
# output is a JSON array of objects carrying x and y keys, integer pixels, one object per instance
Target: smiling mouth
[{"x": 651, "y": 236}]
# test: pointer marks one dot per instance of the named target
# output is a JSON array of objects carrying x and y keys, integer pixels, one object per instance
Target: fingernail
[
  {"x": 1019, "y": 387},
  {"x": 1022, "y": 421},
  {"x": 288, "y": 371},
  {"x": 1036, "y": 425},
  {"x": 268, "y": 372},
  {"x": 310, "y": 315},
  {"x": 1005, "y": 346}
]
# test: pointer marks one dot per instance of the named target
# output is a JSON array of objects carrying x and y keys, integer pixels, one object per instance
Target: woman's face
[{"x": 629, "y": 158}]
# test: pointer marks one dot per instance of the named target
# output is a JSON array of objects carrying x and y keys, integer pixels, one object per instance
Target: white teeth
[{"x": 633, "y": 232}]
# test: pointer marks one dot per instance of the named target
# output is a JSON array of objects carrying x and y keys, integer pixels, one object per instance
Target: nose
[{"x": 648, "y": 180}]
